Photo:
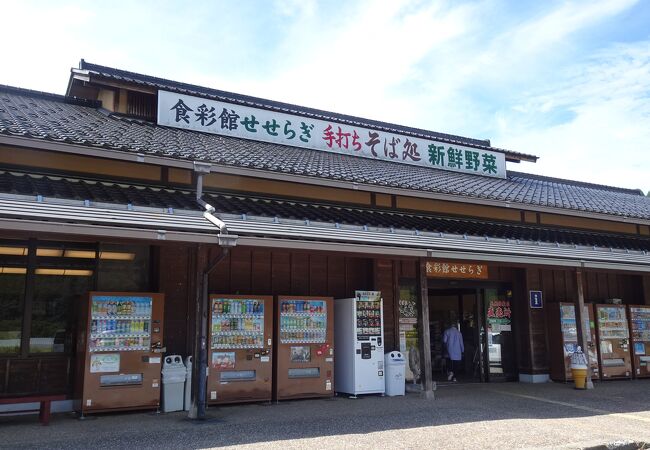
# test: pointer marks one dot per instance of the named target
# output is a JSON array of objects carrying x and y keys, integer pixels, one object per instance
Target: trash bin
[
  {"x": 188, "y": 383},
  {"x": 579, "y": 369},
  {"x": 173, "y": 381},
  {"x": 395, "y": 365}
]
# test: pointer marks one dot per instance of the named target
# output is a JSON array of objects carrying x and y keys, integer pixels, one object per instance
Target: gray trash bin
[
  {"x": 173, "y": 381},
  {"x": 394, "y": 365},
  {"x": 188, "y": 383}
]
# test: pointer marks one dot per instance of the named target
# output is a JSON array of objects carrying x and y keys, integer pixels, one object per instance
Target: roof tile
[{"x": 95, "y": 128}]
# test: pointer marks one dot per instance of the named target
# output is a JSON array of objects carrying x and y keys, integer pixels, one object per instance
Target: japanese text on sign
[
  {"x": 446, "y": 269},
  {"x": 199, "y": 114},
  {"x": 499, "y": 309}
]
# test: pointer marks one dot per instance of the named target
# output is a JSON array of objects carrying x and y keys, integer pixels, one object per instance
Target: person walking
[{"x": 453, "y": 340}]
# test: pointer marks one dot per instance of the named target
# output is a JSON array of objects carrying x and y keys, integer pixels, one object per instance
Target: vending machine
[
  {"x": 241, "y": 349},
  {"x": 640, "y": 330},
  {"x": 613, "y": 341},
  {"x": 119, "y": 347},
  {"x": 304, "y": 363},
  {"x": 359, "y": 333},
  {"x": 563, "y": 339}
]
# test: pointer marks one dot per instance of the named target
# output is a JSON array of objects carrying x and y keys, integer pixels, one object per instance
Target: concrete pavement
[{"x": 505, "y": 415}]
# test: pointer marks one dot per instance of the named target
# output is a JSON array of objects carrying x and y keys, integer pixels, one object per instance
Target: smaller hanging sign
[
  {"x": 536, "y": 300},
  {"x": 451, "y": 269}
]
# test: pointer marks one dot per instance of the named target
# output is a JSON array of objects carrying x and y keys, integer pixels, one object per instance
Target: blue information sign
[{"x": 535, "y": 299}]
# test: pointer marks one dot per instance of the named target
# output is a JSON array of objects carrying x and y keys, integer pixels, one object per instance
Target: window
[
  {"x": 13, "y": 269},
  {"x": 53, "y": 307},
  {"x": 42, "y": 284},
  {"x": 123, "y": 268}
]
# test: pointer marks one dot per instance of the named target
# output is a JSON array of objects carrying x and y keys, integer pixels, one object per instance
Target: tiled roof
[
  {"x": 44, "y": 116},
  {"x": 97, "y": 191},
  {"x": 190, "y": 89}
]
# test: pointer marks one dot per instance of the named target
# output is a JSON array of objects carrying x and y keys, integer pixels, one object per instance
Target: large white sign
[{"x": 228, "y": 119}]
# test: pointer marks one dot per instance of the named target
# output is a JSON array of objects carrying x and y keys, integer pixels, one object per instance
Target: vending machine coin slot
[
  {"x": 237, "y": 375},
  {"x": 310, "y": 372},
  {"x": 379, "y": 341},
  {"x": 365, "y": 350},
  {"x": 120, "y": 380}
]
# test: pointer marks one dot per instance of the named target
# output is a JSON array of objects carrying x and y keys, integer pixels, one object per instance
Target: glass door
[{"x": 498, "y": 334}]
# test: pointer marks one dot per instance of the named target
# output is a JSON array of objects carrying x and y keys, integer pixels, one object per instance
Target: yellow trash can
[
  {"x": 579, "y": 369},
  {"x": 579, "y": 376}
]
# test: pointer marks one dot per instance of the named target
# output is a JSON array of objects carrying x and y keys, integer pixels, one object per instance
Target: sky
[{"x": 568, "y": 81}]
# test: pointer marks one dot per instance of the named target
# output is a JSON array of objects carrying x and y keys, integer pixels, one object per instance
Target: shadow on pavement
[{"x": 490, "y": 404}]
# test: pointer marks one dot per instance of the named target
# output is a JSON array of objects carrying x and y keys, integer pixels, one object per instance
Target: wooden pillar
[
  {"x": 200, "y": 353},
  {"x": 580, "y": 322},
  {"x": 423, "y": 324},
  {"x": 645, "y": 280}
]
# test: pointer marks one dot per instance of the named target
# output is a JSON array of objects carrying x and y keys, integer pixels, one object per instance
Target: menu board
[
  {"x": 237, "y": 323},
  {"x": 640, "y": 320},
  {"x": 303, "y": 321},
  {"x": 612, "y": 323},
  {"x": 120, "y": 323}
]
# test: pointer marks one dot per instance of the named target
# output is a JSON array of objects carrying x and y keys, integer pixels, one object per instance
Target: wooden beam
[
  {"x": 424, "y": 335},
  {"x": 580, "y": 322}
]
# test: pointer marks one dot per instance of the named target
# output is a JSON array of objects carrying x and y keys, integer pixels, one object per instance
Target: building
[{"x": 98, "y": 191}]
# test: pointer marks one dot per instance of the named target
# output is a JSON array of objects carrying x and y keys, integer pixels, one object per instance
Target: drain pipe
[
  {"x": 225, "y": 239},
  {"x": 200, "y": 361}
]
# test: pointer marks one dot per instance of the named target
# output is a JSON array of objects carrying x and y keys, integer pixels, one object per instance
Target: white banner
[{"x": 228, "y": 119}]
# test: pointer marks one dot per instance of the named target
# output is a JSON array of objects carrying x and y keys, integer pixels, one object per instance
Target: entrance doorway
[{"x": 485, "y": 321}]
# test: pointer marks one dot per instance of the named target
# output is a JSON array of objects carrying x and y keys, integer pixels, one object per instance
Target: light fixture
[
  {"x": 54, "y": 252},
  {"x": 57, "y": 253},
  {"x": 65, "y": 272},
  {"x": 89, "y": 254},
  {"x": 13, "y": 270},
  {"x": 14, "y": 251},
  {"x": 117, "y": 256}
]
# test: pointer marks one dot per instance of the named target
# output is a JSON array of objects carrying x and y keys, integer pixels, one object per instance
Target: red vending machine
[
  {"x": 241, "y": 349},
  {"x": 304, "y": 363},
  {"x": 613, "y": 341},
  {"x": 640, "y": 330},
  {"x": 119, "y": 350}
]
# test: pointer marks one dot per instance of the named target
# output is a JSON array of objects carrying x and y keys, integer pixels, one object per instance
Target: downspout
[
  {"x": 225, "y": 239},
  {"x": 200, "y": 361}
]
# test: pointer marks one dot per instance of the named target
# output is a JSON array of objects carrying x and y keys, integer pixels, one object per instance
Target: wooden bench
[{"x": 44, "y": 400}]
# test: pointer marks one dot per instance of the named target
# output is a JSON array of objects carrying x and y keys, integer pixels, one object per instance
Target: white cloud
[
  {"x": 607, "y": 139},
  {"x": 528, "y": 77}
]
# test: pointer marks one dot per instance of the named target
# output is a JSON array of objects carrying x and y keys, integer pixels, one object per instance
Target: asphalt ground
[{"x": 504, "y": 415}]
